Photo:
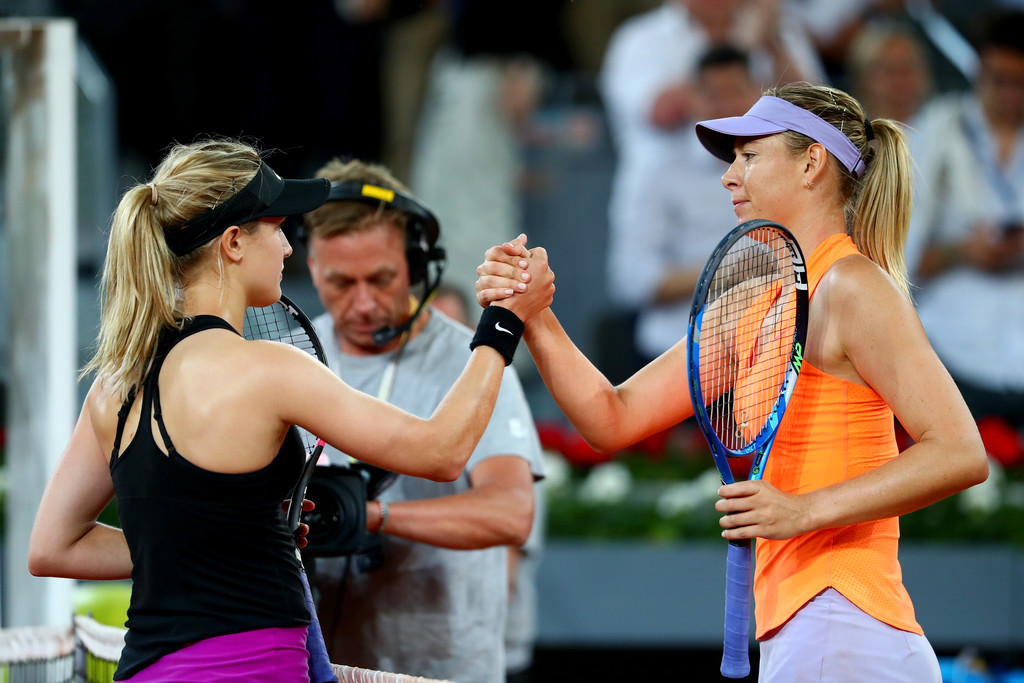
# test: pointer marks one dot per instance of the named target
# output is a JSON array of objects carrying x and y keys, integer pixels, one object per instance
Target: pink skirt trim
[{"x": 269, "y": 655}]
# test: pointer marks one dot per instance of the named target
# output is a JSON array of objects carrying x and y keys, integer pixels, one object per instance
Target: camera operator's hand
[{"x": 300, "y": 533}]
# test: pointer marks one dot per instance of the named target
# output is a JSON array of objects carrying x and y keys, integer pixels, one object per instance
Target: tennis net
[{"x": 88, "y": 651}]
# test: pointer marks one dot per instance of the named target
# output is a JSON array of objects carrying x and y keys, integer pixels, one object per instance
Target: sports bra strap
[
  {"x": 158, "y": 415},
  {"x": 151, "y": 385},
  {"x": 122, "y": 416}
]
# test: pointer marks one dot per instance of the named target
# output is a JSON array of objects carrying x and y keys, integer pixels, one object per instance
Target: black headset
[{"x": 421, "y": 234}]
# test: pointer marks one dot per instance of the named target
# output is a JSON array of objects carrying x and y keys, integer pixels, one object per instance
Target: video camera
[{"x": 337, "y": 524}]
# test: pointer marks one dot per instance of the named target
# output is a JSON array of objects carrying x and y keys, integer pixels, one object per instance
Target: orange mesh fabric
[{"x": 832, "y": 431}]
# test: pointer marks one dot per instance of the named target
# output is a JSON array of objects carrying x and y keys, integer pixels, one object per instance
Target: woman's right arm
[
  {"x": 66, "y": 539},
  {"x": 608, "y": 417},
  {"x": 308, "y": 394}
]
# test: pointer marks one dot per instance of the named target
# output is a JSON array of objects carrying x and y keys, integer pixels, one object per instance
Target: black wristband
[{"x": 499, "y": 328}]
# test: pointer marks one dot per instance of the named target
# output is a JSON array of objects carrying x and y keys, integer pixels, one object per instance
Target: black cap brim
[{"x": 267, "y": 194}]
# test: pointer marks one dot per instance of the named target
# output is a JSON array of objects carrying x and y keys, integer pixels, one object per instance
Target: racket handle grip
[
  {"x": 735, "y": 655},
  {"x": 320, "y": 669}
]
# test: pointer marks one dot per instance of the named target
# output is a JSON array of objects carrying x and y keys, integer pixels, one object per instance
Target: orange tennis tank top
[{"x": 833, "y": 430}]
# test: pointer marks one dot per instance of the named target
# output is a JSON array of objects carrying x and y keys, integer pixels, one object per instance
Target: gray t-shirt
[{"x": 427, "y": 611}]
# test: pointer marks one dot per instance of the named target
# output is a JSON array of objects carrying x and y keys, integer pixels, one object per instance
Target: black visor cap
[{"x": 267, "y": 194}]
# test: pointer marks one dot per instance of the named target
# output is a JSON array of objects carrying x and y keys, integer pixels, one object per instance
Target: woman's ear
[
  {"x": 815, "y": 161},
  {"x": 231, "y": 244}
]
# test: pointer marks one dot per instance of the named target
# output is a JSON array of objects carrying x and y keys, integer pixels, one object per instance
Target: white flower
[
  {"x": 984, "y": 497},
  {"x": 608, "y": 483},
  {"x": 685, "y": 496},
  {"x": 556, "y": 470}
]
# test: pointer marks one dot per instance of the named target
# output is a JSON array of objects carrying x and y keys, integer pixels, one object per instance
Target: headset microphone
[
  {"x": 422, "y": 232},
  {"x": 385, "y": 334}
]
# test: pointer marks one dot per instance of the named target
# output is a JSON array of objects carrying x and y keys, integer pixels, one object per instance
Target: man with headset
[{"x": 434, "y": 604}]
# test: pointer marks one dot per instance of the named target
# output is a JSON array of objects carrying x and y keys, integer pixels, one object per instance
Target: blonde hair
[
  {"x": 877, "y": 205},
  {"x": 143, "y": 280},
  {"x": 345, "y": 217}
]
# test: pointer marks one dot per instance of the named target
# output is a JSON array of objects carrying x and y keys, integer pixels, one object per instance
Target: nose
[
  {"x": 730, "y": 178},
  {"x": 362, "y": 298},
  {"x": 286, "y": 246}
]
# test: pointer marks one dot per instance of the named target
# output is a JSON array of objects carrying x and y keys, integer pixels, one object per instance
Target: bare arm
[
  {"x": 879, "y": 332},
  {"x": 608, "y": 417},
  {"x": 497, "y": 510},
  {"x": 306, "y": 393},
  {"x": 66, "y": 539}
]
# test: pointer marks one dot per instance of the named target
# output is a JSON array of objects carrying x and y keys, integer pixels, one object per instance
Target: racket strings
[
  {"x": 275, "y": 323},
  {"x": 747, "y": 339},
  {"x": 278, "y": 323}
]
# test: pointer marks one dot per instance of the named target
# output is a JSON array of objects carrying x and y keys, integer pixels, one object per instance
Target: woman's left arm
[
  {"x": 877, "y": 330},
  {"x": 66, "y": 539}
]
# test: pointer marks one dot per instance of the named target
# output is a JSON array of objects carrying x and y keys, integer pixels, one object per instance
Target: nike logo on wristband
[{"x": 499, "y": 328}]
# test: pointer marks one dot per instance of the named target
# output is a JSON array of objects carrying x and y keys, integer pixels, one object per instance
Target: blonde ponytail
[
  {"x": 878, "y": 204},
  {"x": 883, "y": 202},
  {"x": 141, "y": 288}
]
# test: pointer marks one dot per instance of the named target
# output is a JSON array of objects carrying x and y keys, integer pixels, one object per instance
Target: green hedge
[{"x": 641, "y": 509}]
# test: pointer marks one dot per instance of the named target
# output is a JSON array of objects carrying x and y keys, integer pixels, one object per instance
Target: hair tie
[
  {"x": 868, "y": 130},
  {"x": 153, "y": 197}
]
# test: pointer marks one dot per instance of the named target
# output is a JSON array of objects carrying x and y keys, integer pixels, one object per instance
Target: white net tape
[
  {"x": 102, "y": 641},
  {"x": 37, "y": 654},
  {"x": 349, "y": 674},
  {"x": 34, "y": 643}
]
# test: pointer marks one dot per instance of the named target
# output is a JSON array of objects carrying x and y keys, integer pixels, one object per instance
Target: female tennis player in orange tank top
[{"x": 829, "y": 599}]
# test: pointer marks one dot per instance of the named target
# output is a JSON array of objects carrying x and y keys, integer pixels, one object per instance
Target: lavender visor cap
[{"x": 771, "y": 115}]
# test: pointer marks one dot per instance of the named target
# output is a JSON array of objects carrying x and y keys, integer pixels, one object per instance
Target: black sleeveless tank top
[{"x": 211, "y": 551}]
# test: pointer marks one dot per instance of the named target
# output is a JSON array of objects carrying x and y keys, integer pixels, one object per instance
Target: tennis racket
[
  {"x": 747, "y": 331},
  {"x": 284, "y": 322}
]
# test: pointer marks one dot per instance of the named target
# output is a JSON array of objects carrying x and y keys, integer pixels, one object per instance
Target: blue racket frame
[{"x": 739, "y": 563}]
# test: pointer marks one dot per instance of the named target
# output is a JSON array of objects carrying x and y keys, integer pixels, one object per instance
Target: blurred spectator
[
  {"x": 887, "y": 70},
  {"x": 646, "y": 80},
  {"x": 938, "y": 25},
  {"x": 484, "y": 84},
  {"x": 589, "y": 25},
  {"x": 452, "y": 302},
  {"x": 668, "y": 226},
  {"x": 412, "y": 35},
  {"x": 521, "y": 618},
  {"x": 647, "y": 84},
  {"x": 966, "y": 242},
  {"x": 523, "y": 561}
]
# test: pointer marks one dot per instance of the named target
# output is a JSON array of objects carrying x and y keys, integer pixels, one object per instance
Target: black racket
[
  {"x": 748, "y": 327},
  {"x": 284, "y": 322}
]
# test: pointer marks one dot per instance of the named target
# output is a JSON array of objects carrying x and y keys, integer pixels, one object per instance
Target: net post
[{"x": 40, "y": 228}]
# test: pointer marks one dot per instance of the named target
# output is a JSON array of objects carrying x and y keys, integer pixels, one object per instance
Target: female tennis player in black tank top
[{"x": 201, "y": 458}]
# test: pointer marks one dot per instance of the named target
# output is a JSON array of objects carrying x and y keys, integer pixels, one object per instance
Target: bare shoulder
[
  {"x": 224, "y": 351},
  {"x": 857, "y": 284},
  {"x": 222, "y": 371},
  {"x": 99, "y": 412}
]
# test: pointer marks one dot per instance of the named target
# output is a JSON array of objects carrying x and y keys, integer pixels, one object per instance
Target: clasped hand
[{"x": 517, "y": 278}]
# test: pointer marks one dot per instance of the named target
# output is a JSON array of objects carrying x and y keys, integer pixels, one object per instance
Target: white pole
[{"x": 39, "y": 83}]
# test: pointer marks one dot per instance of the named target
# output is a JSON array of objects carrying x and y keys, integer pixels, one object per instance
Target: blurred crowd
[{"x": 451, "y": 94}]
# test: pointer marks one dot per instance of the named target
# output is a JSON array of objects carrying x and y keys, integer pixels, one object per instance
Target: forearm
[
  {"x": 465, "y": 521},
  {"x": 100, "y": 553},
  {"x": 460, "y": 419},
  {"x": 583, "y": 393},
  {"x": 923, "y": 474}
]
